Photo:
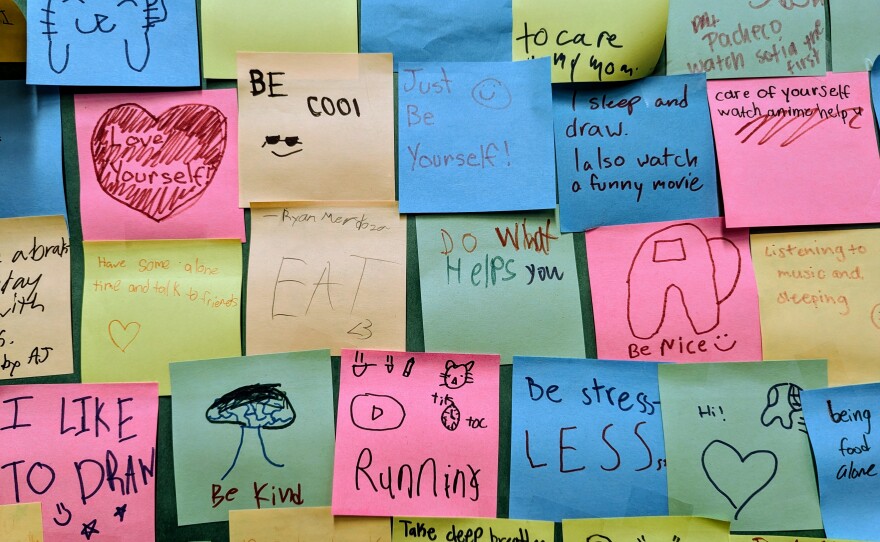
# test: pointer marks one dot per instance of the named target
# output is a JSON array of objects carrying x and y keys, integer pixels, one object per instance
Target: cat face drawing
[
  {"x": 457, "y": 376},
  {"x": 124, "y": 24}
]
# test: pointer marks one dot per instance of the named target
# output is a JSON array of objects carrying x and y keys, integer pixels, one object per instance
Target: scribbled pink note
[
  {"x": 796, "y": 150},
  {"x": 416, "y": 434},
  {"x": 674, "y": 291},
  {"x": 87, "y": 452},
  {"x": 159, "y": 165}
]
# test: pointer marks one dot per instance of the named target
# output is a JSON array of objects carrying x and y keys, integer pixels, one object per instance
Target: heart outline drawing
[
  {"x": 158, "y": 166},
  {"x": 123, "y": 329},
  {"x": 742, "y": 460}
]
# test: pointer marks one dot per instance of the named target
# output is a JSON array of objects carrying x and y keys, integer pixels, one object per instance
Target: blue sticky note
[
  {"x": 847, "y": 450},
  {"x": 475, "y": 136},
  {"x": 586, "y": 440},
  {"x": 30, "y": 151},
  {"x": 875, "y": 87},
  {"x": 424, "y": 31},
  {"x": 637, "y": 152},
  {"x": 134, "y": 43}
]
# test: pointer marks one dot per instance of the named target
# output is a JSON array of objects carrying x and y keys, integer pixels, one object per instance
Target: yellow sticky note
[
  {"x": 598, "y": 40},
  {"x": 13, "y": 37},
  {"x": 327, "y": 275},
  {"x": 819, "y": 295},
  {"x": 35, "y": 333},
  {"x": 647, "y": 529},
  {"x": 315, "y": 524},
  {"x": 21, "y": 522},
  {"x": 472, "y": 529},
  {"x": 315, "y": 127},
  {"x": 299, "y": 26},
  {"x": 769, "y": 538},
  {"x": 147, "y": 303}
]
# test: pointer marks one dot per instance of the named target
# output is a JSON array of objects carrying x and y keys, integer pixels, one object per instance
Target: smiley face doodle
[
  {"x": 718, "y": 338},
  {"x": 290, "y": 141},
  {"x": 492, "y": 94}
]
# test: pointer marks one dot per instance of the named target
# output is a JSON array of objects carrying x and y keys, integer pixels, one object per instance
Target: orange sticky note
[
  {"x": 13, "y": 37},
  {"x": 315, "y": 127}
]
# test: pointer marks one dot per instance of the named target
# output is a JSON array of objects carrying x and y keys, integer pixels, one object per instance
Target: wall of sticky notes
[{"x": 511, "y": 270}]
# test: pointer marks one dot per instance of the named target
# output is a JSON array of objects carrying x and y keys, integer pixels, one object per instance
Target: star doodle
[
  {"x": 120, "y": 512},
  {"x": 89, "y": 529}
]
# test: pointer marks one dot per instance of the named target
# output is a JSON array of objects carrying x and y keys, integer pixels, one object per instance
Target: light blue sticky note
[
  {"x": 854, "y": 37},
  {"x": 586, "y": 440},
  {"x": 134, "y": 43},
  {"x": 637, "y": 152},
  {"x": 875, "y": 87},
  {"x": 424, "y": 31},
  {"x": 847, "y": 451},
  {"x": 475, "y": 136},
  {"x": 30, "y": 151}
]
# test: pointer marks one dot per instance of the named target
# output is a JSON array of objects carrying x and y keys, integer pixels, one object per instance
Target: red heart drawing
[{"x": 161, "y": 165}]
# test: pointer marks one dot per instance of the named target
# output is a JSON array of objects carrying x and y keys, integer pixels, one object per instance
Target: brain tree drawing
[{"x": 253, "y": 408}]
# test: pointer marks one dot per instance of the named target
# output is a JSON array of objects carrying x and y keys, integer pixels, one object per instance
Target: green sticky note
[
  {"x": 855, "y": 42},
  {"x": 294, "y": 26},
  {"x": 758, "y": 38},
  {"x": 148, "y": 303},
  {"x": 502, "y": 283},
  {"x": 252, "y": 432},
  {"x": 736, "y": 443}
]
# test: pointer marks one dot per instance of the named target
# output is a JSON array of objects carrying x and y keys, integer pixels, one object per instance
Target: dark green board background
[{"x": 166, "y": 505}]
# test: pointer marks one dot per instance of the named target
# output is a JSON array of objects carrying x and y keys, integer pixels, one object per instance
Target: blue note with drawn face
[
  {"x": 112, "y": 43},
  {"x": 844, "y": 439},
  {"x": 636, "y": 152},
  {"x": 586, "y": 440},
  {"x": 420, "y": 30},
  {"x": 475, "y": 136},
  {"x": 31, "y": 182}
]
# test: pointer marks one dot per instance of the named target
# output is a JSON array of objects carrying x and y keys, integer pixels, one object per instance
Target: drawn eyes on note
[{"x": 290, "y": 141}]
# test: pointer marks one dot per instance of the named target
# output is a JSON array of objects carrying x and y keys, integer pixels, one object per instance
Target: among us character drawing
[
  {"x": 290, "y": 141},
  {"x": 253, "y": 408},
  {"x": 123, "y": 25},
  {"x": 679, "y": 263},
  {"x": 455, "y": 376},
  {"x": 784, "y": 407}
]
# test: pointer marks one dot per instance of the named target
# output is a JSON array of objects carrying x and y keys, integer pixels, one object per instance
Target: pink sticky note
[
  {"x": 416, "y": 434},
  {"x": 796, "y": 150},
  {"x": 674, "y": 291},
  {"x": 159, "y": 165},
  {"x": 87, "y": 452}
]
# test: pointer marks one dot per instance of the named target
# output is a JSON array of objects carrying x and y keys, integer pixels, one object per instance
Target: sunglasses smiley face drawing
[{"x": 290, "y": 141}]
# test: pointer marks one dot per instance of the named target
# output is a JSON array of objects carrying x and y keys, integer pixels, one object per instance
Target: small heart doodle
[
  {"x": 158, "y": 166},
  {"x": 122, "y": 335},
  {"x": 738, "y": 477}
]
